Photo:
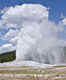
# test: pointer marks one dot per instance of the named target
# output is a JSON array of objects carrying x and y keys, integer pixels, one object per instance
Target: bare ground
[{"x": 29, "y": 73}]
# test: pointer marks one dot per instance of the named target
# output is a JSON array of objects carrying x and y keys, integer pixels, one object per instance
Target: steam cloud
[{"x": 38, "y": 39}]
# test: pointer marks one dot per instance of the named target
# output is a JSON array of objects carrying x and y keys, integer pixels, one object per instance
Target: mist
[{"x": 38, "y": 39}]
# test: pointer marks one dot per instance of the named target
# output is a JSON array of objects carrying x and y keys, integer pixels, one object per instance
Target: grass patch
[
  {"x": 25, "y": 70},
  {"x": 19, "y": 72},
  {"x": 60, "y": 66},
  {"x": 29, "y": 71},
  {"x": 14, "y": 66}
]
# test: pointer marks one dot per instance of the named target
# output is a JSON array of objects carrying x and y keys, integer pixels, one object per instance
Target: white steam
[{"x": 38, "y": 40}]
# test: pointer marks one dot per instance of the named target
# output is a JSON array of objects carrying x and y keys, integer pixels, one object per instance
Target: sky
[{"x": 57, "y": 13}]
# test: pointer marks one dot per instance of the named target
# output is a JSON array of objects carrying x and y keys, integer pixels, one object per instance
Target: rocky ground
[{"x": 32, "y": 73}]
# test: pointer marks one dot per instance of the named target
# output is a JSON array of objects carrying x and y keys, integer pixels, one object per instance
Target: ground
[
  {"x": 32, "y": 73},
  {"x": 29, "y": 73}
]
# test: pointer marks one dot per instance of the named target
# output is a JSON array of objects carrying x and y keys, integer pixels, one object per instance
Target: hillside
[{"x": 7, "y": 56}]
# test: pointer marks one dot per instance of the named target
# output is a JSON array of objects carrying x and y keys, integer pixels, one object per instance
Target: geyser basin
[{"x": 38, "y": 39}]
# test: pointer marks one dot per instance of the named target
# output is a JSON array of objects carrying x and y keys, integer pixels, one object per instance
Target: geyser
[{"x": 38, "y": 39}]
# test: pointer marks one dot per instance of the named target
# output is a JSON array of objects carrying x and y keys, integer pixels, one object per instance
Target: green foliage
[{"x": 8, "y": 56}]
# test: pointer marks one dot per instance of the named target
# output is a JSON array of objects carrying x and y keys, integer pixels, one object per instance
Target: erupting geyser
[{"x": 38, "y": 39}]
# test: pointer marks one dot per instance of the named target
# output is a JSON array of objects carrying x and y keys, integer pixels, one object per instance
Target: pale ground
[{"x": 32, "y": 73}]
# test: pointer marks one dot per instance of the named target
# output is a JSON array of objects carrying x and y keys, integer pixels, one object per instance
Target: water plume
[{"x": 38, "y": 39}]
